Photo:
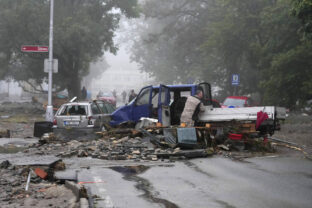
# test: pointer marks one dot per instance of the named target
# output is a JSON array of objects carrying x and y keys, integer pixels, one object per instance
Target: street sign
[
  {"x": 235, "y": 79},
  {"x": 47, "y": 65},
  {"x": 34, "y": 48}
]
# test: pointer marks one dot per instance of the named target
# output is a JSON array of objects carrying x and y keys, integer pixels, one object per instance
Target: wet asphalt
[
  {"x": 272, "y": 181},
  {"x": 208, "y": 182}
]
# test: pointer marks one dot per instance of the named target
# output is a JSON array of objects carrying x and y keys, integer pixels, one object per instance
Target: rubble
[
  {"x": 41, "y": 173},
  {"x": 153, "y": 144},
  {"x": 39, "y": 192},
  {"x": 5, "y": 133},
  {"x": 148, "y": 144}
]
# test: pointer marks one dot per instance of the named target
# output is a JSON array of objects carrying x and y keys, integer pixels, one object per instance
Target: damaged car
[{"x": 82, "y": 118}]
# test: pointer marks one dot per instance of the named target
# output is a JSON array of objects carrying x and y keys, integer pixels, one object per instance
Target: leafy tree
[
  {"x": 83, "y": 30},
  {"x": 286, "y": 58},
  {"x": 211, "y": 40},
  {"x": 289, "y": 77},
  {"x": 232, "y": 42},
  {"x": 168, "y": 42},
  {"x": 204, "y": 40},
  {"x": 302, "y": 9}
]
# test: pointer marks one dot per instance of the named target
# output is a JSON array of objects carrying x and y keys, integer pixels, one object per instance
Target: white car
[{"x": 82, "y": 118}]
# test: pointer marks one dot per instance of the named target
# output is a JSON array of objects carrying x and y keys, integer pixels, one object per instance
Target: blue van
[{"x": 163, "y": 102}]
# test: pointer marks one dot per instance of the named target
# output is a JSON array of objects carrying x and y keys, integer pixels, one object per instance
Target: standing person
[
  {"x": 83, "y": 93},
  {"x": 115, "y": 94},
  {"x": 100, "y": 94},
  {"x": 132, "y": 95},
  {"x": 193, "y": 106},
  {"x": 124, "y": 95}
]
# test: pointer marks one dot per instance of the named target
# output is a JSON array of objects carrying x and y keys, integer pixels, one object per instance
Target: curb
[
  {"x": 77, "y": 191},
  {"x": 84, "y": 203}
]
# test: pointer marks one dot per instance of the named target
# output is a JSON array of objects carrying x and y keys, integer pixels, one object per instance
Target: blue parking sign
[{"x": 235, "y": 79}]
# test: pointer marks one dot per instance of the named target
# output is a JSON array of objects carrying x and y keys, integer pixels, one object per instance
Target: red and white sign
[{"x": 33, "y": 48}]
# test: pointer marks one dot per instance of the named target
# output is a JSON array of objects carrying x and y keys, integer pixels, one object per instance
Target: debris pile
[
  {"x": 146, "y": 144},
  {"x": 25, "y": 186},
  {"x": 125, "y": 148}
]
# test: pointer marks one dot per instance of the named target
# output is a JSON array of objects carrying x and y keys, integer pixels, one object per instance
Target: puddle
[{"x": 130, "y": 173}]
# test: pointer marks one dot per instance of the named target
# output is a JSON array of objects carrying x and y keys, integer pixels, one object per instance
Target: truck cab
[{"x": 164, "y": 103}]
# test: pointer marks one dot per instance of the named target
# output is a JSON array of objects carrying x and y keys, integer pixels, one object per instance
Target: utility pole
[{"x": 49, "y": 111}]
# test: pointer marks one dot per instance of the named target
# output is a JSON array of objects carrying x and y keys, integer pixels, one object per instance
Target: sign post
[
  {"x": 235, "y": 81},
  {"x": 46, "y": 66},
  {"x": 49, "y": 112}
]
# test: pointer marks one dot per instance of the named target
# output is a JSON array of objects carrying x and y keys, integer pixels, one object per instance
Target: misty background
[{"x": 122, "y": 45}]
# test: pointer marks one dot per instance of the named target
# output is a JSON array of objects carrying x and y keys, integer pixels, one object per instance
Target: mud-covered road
[
  {"x": 270, "y": 181},
  {"x": 280, "y": 179}
]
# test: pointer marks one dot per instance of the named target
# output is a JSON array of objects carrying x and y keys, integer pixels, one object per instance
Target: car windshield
[
  {"x": 74, "y": 110},
  {"x": 234, "y": 102}
]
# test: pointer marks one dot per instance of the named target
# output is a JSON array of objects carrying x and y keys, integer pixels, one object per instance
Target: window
[
  {"x": 234, "y": 102},
  {"x": 185, "y": 93},
  {"x": 95, "y": 109},
  {"x": 155, "y": 99},
  {"x": 144, "y": 96},
  {"x": 103, "y": 107},
  {"x": 163, "y": 95},
  {"x": 109, "y": 107},
  {"x": 206, "y": 93},
  {"x": 74, "y": 110}
]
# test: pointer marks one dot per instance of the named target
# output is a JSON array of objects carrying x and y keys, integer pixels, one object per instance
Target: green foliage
[
  {"x": 302, "y": 9},
  {"x": 168, "y": 44},
  {"x": 211, "y": 40},
  {"x": 289, "y": 77},
  {"x": 83, "y": 30}
]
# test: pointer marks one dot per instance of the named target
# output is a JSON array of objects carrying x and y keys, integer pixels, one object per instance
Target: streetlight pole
[{"x": 49, "y": 112}]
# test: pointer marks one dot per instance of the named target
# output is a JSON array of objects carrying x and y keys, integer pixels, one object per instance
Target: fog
[{"x": 118, "y": 73}]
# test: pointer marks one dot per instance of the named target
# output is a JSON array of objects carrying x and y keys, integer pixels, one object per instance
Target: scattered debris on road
[{"x": 38, "y": 192}]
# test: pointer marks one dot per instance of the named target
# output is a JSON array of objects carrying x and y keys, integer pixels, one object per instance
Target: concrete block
[{"x": 84, "y": 203}]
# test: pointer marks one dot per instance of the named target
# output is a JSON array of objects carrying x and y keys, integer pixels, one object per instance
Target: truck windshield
[{"x": 144, "y": 97}]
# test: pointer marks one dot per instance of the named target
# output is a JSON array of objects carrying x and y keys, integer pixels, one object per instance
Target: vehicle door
[
  {"x": 143, "y": 104},
  {"x": 105, "y": 115},
  {"x": 163, "y": 105},
  {"x": 96, "y": 116},
  {"x": 207, "y": 98}
]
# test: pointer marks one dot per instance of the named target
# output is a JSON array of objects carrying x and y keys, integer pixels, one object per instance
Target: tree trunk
[{"x": 74, "y": 86}]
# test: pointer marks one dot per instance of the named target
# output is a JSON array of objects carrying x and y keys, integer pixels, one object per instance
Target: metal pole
[{"x": 49, "y": 112}]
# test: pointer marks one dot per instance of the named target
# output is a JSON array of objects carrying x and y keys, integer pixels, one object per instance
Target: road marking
[{"x": 108, "y": 202}]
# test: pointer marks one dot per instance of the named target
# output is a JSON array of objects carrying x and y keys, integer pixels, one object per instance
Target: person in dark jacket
[
  {"x": 132, "y": 95},
  {"x": 84, "y": 93},
  {"x": 124, "y": 96}
]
